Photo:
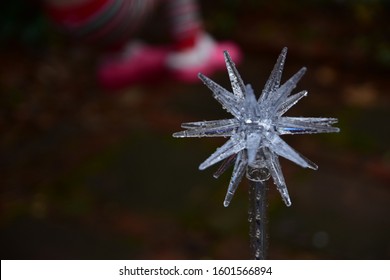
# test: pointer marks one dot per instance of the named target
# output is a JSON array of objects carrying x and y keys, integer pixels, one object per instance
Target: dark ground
[{"x": 90, "y": 174}]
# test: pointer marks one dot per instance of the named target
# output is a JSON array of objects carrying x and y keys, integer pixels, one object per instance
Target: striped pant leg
[
  {"x": 185, "y": 21},
  {"x": 104, "y": 22}
]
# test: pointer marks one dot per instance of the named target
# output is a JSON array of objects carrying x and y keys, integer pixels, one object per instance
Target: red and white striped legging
[{"x": 112, "y": 21}]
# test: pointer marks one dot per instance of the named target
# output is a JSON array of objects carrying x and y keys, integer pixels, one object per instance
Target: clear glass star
[{"x": 255, "y": 144}]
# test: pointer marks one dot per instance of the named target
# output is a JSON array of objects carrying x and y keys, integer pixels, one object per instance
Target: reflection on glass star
[{"x": 255, "y": 144}]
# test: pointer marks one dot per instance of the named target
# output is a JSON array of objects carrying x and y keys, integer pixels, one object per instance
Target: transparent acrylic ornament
[{"x": 255, "y": 144}]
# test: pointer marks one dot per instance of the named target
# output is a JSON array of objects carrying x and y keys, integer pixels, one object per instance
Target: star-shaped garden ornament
[{"x": 255, "y": 144}]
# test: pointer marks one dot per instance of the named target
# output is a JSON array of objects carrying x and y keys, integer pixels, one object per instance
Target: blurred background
[{"x": 91, "y": 174}]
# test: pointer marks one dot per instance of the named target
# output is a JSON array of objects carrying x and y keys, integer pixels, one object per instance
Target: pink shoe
[
  {"x": 138, "y": 63},
  {"x": 206, "y": 58}
]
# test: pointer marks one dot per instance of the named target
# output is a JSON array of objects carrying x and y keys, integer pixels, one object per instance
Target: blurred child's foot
[
  {"x": 137, "y": 63},
  {"x": 205, "y": 57}
]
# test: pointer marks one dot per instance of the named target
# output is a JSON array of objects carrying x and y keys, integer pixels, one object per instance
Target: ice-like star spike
[
  {"x": 282, "y": 93},
  {"x": 283, "y": 149},
  {"x": 208, "y": 129},
  {"x": 252, "y": 145},
  {"x": 291, "y": 125},
  {"x": 235, "y": 78},
  {"x": 232, "y": 146},
  {"x": 255, "y": 144},
  {"x": 290, "y": 101},
  {"x": 225, "y": 165},
  {"x": 273, "y": 81},
  {"x": 249, "y": 108},
  {"x": 204, "y": 124},
  {"x": 277, "y": 175},
  {"x": 237, "y": 174},
  {"x": 228, "y": 101}
]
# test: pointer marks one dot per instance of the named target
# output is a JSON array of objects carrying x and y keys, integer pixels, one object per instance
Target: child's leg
[
  {"x": 185, "y": 22},
  {"x": 100, "y": 22},
  {"x": 195, "y": 50},
  {"x": 111, "y": 24}
]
